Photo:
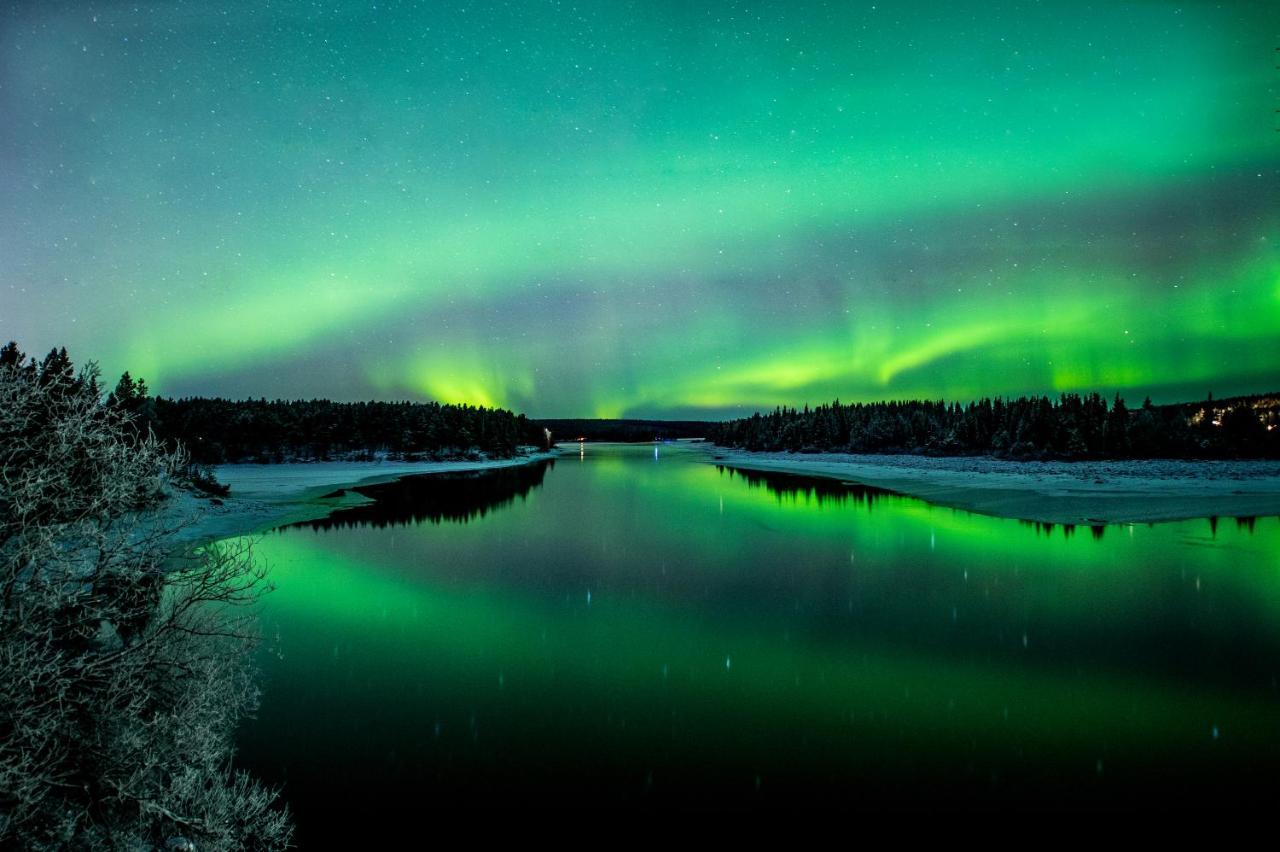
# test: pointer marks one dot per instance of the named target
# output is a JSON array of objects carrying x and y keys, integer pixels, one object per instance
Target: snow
[
  {"x": 264, "y": 496},
  {"x": 1086, "y": 492},
  {"x": 300, "y": 480}
]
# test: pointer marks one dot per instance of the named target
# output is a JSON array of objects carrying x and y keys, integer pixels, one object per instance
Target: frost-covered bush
[{"x": 124, "y": 669}]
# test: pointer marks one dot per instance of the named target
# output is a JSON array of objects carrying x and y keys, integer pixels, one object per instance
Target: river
[{"x": 633, "y": 628}]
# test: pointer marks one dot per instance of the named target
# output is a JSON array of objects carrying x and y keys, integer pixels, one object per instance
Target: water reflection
[
  {"x": 819, "y": 491},
  {"x": 647, "y": 635},
  {"x": 437, "y": 497},
  {"x": 807, "y": 489}
]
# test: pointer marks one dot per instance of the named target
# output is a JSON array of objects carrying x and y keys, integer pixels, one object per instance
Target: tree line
[
  {"x": 1072, "y": 426},
  {"x": 215, "y": 431}
]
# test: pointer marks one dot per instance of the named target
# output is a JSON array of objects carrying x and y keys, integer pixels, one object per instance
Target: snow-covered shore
[
  {"x": 302, "y": 480},
  {"x": 264, "y": 496},
  {"x": 1093, "y": 492},
  {"x": 1059, "y": 492}
]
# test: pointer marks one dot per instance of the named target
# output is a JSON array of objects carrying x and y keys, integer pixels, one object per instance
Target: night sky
[{"x": 645, "y": 209}]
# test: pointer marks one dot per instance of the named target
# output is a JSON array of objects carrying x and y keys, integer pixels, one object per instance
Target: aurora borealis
[{"x": 645, "y": 209}]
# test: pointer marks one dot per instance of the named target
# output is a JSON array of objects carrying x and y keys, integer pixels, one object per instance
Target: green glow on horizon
[{"x": 649, "y": 209}]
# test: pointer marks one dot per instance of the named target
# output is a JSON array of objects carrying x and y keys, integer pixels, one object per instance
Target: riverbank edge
[
  {"x": 318, "y": 492},
  {"x": 1079, "y": 493}
]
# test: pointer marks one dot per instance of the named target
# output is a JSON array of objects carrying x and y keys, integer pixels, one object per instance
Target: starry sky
[{"x": 646, "y": 209}]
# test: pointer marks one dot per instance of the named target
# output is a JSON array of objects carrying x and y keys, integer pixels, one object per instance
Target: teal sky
[{"x": 645, "y": 209}]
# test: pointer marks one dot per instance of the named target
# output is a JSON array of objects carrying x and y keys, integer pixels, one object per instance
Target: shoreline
[
  {"x": 1085, "y": 493},
  {"x": 1082, "y": 493},
  {"x": 266, "y": 496}
]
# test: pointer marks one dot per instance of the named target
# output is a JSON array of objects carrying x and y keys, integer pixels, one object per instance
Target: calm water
[{"x": 634, "y": 629}]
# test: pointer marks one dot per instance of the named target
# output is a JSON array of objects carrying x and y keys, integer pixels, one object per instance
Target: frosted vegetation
[{"x": 124, "y": 669}]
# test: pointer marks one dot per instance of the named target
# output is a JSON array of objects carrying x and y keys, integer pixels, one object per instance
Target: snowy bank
[
  {"x": 264, "y": 496},
  {"x": 1059, "y": 492}
]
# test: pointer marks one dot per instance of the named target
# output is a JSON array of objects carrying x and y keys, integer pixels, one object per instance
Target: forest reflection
[
  {"x": 437, "y": 497},
  {"x": 791, "y": 487}
]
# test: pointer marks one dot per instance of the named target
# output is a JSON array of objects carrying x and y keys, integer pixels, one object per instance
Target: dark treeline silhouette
[
  {"x": 219, "y": 430},
  {"x": 55, "y": 373},
  {"x": 624, "y": 431},
  {"x": 259, "y": 430},
  {"x": 440, "y": 497},
  {"x": 215, "y": 431},
  {"x": 1071, "y": 426}
]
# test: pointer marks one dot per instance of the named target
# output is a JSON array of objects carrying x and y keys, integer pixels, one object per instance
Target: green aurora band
[{"x": 645, "y": 209}]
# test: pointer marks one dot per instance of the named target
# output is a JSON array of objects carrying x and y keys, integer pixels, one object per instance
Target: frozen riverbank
[
  {"x": 264, "y": 496},
  {"x": 1089, "y": 492}
]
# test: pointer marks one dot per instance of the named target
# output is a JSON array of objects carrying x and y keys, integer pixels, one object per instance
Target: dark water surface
[{"x": 635, "y": 629}]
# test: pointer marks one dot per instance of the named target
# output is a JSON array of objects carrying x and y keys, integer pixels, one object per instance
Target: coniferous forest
[
  {"x": 216, "y": 431},
  {"x": 1070, "y": 427},
  {"x": 219, "y": 430}
]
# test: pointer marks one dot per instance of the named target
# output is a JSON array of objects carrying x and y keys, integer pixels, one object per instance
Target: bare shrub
[{"x": 124, "y": 669}]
